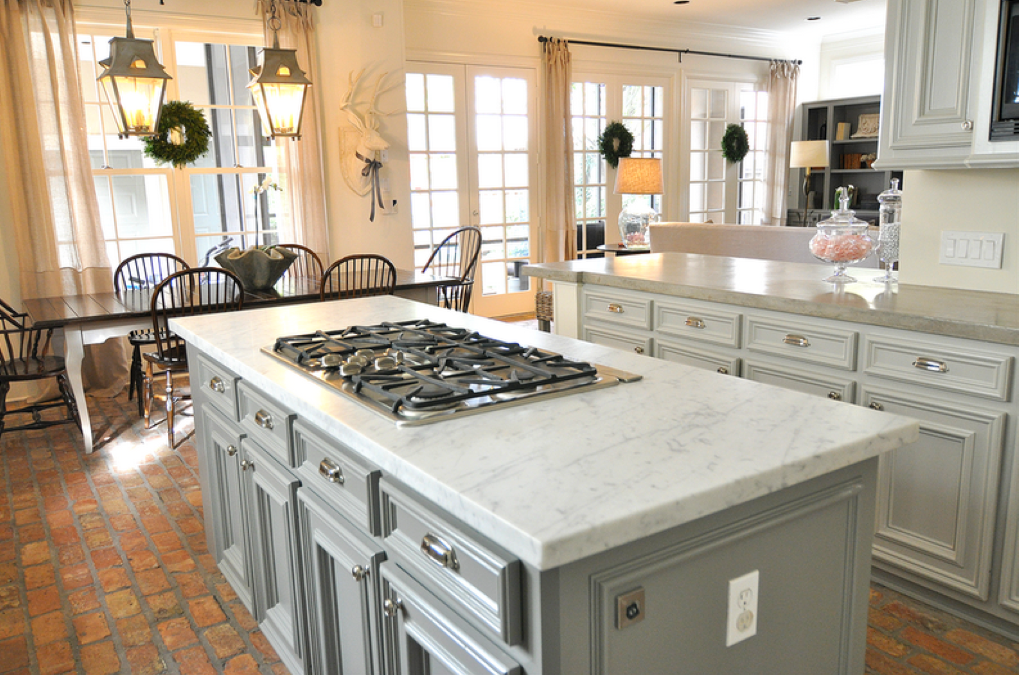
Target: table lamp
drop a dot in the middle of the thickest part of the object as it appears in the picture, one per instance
(638, 176)
(808, 155)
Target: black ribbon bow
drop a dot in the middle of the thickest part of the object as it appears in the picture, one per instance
(371, 172)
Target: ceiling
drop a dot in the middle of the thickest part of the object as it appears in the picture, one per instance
(781, 16)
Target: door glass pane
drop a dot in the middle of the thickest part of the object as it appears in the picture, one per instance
(440, 94)
(442, 133)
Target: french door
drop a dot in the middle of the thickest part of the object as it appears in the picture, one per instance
(473, 160)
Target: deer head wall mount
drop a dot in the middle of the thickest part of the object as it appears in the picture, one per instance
(361, 144)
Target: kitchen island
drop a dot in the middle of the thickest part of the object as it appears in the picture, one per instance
(948, 505)
(595, 532)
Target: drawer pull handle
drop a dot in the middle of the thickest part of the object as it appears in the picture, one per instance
(876, 406)
(615, 308)
(796, 340)
(834, 395)
(695, 322)
(217, 385)
(723, 370)
(439, 552)
(639, 350)
(231, 450)
(263, 419)
(359, 572)
(246, 464)
(391, 607)
(932, 365)
(331, 472)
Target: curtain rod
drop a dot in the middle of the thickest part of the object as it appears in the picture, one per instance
(678, 52)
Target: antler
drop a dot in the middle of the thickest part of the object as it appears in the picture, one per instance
(373, 113)
(348, 106)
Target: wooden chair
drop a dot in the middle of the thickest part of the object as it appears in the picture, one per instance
(143, 272)
(457, 256)
(199, 290)
(358, 276)
(24, 356)
(307, 265)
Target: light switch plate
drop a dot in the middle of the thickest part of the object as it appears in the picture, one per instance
(971, 249)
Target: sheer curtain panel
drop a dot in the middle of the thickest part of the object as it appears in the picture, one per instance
(781, 108)
(300, 161)
(557, 233)
(56, 226)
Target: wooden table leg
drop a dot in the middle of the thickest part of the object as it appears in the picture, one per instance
(74, 354)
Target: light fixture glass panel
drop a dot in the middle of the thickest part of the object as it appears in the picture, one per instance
(489, 132)
(442, 133)
(445, 209)
(517, 206)
(417, 138)
(418, 171)
(514, 96)
(487, 94)
(414, 84)
(442, 171)
(284, 103)
(515, 132)
(440, 93)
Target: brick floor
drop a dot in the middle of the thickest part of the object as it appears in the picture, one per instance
(104, 569)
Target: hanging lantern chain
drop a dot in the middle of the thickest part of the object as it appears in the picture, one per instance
(274, 24)
(130, 28)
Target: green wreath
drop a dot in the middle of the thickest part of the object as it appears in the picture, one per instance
(615, 142)
(735, 143)
(182, 116)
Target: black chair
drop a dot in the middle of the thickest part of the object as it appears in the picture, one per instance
(199, 290)
(142, 272)
(24, 357)
(457, 256)
(307, 265)
(358, 276)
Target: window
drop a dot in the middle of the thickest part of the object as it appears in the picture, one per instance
(595, 100)
(719, 192)
(147, 207)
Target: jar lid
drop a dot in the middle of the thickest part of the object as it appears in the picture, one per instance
(892, 195)
(843, 217)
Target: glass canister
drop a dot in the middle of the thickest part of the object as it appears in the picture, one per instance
(841, 240)
(888, 239)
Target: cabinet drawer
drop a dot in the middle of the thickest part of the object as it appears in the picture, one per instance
(965, 371)
(619, 339)
(337, 475)
(618, 308)
(266, 421)
(689, 320)
(478, 577)
(218, 384)
(835, 388)
(697, 358)
(804, 342)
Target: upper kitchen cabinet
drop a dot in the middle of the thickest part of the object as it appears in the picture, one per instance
(939, 86)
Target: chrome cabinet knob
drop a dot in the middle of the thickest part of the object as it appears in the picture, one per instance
(876, 406)
(639, 350)
(439, 552)
(263, 419)
(217, 385)
(723, 370)
(391, 607)
(331, 472)
(246, 464)
(834, 395)
(359, 572)
(967, 125)
(231, 450)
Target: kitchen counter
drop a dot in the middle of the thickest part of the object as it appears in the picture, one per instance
(562, 479)
(800, 288)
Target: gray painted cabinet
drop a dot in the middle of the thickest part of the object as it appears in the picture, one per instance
(942, 522)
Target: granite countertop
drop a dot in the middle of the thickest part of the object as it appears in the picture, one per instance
(558, 480)
(800, 288)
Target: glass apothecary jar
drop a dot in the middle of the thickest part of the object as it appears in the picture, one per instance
(842, 240)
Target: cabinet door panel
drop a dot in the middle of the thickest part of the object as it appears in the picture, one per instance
(275, 553)
(227, 501)
(620, 339)
(423, 638)
(835, 388)
(937, 497)
(343, 608)
(678, 352)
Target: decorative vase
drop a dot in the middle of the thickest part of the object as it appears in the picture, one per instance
(258, 269)
(841, 240)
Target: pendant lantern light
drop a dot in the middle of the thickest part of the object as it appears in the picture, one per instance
(279, 87)
(134, 82)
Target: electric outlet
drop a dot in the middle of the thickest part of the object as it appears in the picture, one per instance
(741, 610)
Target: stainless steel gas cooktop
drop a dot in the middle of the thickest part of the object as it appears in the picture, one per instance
(418, 372)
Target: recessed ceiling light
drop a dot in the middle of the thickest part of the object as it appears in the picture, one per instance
(813, 18)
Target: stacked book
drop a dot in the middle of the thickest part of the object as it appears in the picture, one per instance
(843, 130)
(852, 160)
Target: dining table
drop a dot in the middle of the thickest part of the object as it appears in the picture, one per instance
(94, 318)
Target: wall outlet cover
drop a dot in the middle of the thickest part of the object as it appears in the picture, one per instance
(741, 609)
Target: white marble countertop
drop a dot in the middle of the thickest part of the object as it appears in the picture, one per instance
(558, 480)
(800, 288)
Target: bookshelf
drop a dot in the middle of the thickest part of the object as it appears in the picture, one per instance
(819, 120)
